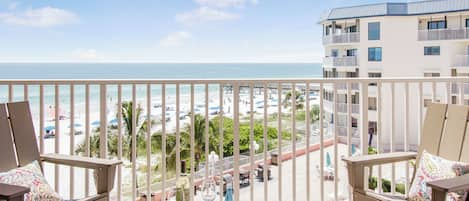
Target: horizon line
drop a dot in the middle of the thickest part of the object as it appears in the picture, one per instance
(161, 62)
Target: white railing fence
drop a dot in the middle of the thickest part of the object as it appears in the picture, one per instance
(443, 34)
(460, 61)
(96, 118)
(345, 61)
(351, 37)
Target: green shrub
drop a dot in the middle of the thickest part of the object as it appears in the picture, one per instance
(386, 185)
(372, 151)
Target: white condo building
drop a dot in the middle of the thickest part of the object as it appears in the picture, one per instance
(415, 39)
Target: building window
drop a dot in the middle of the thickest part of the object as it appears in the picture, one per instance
(352, 74)
(467, 23)
(374, 54)
(433, 50)
(373, 75)
(351, 52)
(372, 103)
(355, 99)
(431, 74)
(374, 31)
(441, 24)
(328, 29)
(334, 52)
(352, 29)
(454, 72)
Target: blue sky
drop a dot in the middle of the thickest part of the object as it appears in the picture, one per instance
(163, 30)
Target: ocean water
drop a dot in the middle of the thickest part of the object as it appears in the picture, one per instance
(137, 71)
(158, 70)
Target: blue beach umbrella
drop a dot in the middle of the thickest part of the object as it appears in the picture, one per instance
(95, 123)
(76, 125)
(48, 128)
(328, 160)
(113, 121)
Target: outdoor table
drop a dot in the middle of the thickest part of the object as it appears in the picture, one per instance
(12, 193)
(244, 176)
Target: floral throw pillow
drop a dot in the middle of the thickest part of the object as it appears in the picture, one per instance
(432, 168)
(30, 176)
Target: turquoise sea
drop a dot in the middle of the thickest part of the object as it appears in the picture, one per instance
(138, 71)
(158, 70)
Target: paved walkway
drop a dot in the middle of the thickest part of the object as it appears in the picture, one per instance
(300, 175)
(301, 189)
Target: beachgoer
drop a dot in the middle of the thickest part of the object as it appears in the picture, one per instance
(229, 187)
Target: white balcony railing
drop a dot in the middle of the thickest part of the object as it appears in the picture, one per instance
(460, 61)
(443, 34)
(346, 61)
(342, 107)
(352, 37)
(457, 89)
(176, 112)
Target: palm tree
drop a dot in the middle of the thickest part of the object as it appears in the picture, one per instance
(171, 151)
(314, 113)
(141, 126)
(199, 135)
(298, 100)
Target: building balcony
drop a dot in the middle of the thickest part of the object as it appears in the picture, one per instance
(76, 117)
(443, 34)
(461, 88)
(460, 61)
(346, 61)
(353, 37)
(342, 107)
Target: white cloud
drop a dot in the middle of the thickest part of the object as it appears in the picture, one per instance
(85, 54)
(12, 5)
(205, 14)
(40, 17)
(175, 39)
(225, 3)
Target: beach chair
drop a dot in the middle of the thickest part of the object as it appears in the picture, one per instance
(445, 133)
(18, 147)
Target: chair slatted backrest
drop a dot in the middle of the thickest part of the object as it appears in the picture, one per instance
(23, 132)
(465, 149)
(7, 148)
(445, 132)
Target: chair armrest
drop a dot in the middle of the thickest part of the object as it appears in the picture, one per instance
(78, 161)
(378, 159)
(8, 191)
(451, 185)
(104, 173)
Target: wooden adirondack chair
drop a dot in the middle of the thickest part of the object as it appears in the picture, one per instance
(18, 141)
(445, 133)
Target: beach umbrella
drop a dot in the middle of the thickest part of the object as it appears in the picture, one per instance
(95, 123)
(113, 121)
(328, 160)
(76, 126)
(49, 128)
